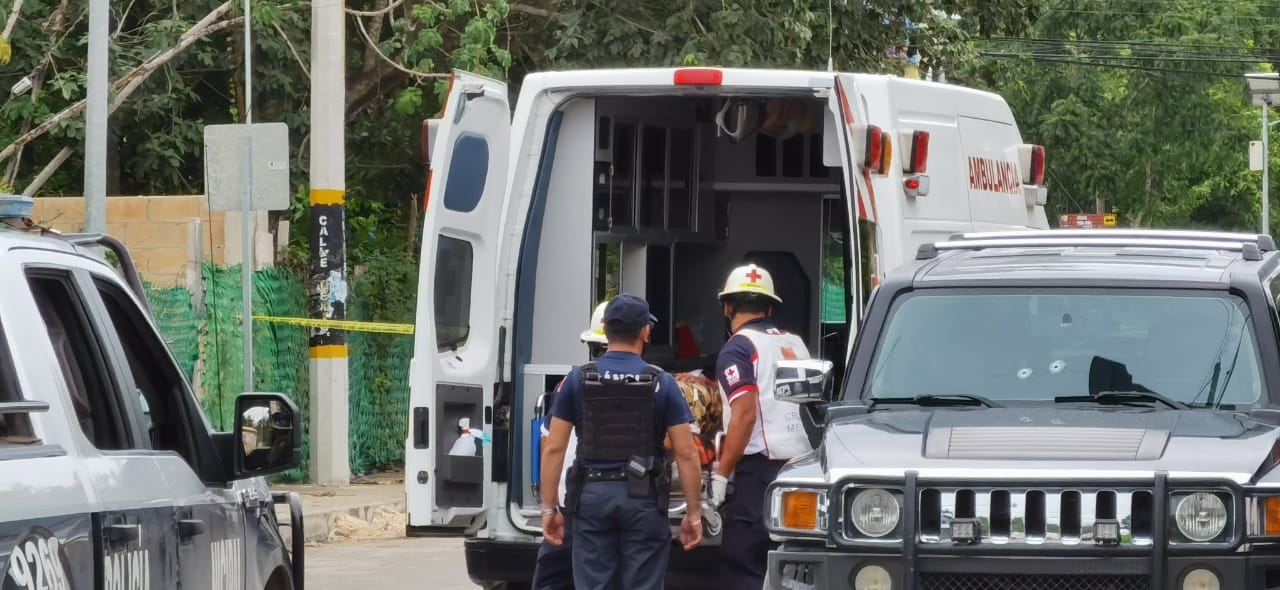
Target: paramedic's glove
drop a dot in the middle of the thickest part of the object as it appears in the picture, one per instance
(718, 485)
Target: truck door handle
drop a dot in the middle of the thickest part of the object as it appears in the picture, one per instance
(421, 428)
(190, 527)
(120, 534)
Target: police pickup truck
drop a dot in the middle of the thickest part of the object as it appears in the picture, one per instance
(1060, 409)
(110, 475)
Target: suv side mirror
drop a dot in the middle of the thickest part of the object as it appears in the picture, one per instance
(802, 381)
(268, 433)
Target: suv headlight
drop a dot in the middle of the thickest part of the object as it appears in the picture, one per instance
(874, 512)
(1201, 516)
(798, 510)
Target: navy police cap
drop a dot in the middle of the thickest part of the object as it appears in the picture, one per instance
(628, 310)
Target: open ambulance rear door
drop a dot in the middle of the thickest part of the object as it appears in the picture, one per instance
(456, 339)
(863, 150)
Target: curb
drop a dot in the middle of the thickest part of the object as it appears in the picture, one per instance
(317, 527)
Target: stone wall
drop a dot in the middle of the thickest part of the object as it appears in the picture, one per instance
(167, 236)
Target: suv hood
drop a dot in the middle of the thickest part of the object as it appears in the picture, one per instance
(1125, 441)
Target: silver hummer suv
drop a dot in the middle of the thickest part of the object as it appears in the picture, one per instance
(111, 477)
(1061, 409)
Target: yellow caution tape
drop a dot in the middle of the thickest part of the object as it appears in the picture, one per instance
(344, 325)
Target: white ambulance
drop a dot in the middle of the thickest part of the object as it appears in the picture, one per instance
(657, 182)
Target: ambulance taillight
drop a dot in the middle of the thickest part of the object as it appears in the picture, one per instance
(1033, 167)
(698, 77)
(916, 160)
(873, 150)
(886, 154)
(429, 127)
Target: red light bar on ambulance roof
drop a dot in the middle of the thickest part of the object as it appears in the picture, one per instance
(699, 77)
(1033, 167)
(916, 160)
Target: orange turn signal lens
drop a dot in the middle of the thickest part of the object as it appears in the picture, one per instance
(800, 510)
(1271, 516)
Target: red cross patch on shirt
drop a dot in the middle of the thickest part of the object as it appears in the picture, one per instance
(731, 375)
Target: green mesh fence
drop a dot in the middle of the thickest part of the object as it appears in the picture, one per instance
(379, 383)
(178, 323)
(378, 364)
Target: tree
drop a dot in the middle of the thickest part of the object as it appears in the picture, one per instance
(1140, 105)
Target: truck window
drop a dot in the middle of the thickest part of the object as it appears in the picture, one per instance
(468, 170)
(160, 386)
(81, 358)
(453, 292)
(14, 428)
(1035, 346)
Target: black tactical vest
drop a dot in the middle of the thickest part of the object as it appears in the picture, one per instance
(618, 416)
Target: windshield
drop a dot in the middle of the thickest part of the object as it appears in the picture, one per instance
(1195, 349)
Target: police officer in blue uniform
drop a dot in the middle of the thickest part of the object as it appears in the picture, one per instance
(621, 409)
(554, 567)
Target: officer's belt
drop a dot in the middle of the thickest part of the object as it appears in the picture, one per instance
(590, 475)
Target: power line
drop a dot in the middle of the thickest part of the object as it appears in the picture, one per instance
(1147, 69)
(1130, 57)
(1128, 44)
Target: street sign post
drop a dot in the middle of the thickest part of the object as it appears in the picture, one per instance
(246, 169)
(224, 163)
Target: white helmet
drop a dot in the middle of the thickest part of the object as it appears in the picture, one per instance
(595, 333)
(750, 279)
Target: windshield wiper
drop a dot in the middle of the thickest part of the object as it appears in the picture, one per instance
(931, 399)
(1122, 397)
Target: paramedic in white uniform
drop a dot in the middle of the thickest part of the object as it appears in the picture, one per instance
(761, 433)
(554, 569)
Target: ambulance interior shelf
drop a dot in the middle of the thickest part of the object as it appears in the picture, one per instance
(657, 158)
(682, 195)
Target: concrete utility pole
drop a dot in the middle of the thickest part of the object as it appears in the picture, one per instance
(246, 199)
(1264, 88)
(95, 119)
(330, 461)
(1266, 180)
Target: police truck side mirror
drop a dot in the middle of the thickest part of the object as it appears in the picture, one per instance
(802, 381)
(268, 433)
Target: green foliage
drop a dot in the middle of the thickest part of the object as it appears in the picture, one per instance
(1156, 128)
(772, 33)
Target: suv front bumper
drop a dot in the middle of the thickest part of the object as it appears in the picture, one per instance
(802, 568)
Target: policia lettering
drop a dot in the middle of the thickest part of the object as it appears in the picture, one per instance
(228, 570)
(127, 570)
(328, 271)
(37, 563)
(619, 426)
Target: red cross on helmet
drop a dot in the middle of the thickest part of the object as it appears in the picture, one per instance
(750, 279)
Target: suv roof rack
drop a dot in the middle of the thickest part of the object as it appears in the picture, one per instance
(1250, 246)
(1264, 241)
(126, 262)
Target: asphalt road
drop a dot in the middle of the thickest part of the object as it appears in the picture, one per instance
(388, 564)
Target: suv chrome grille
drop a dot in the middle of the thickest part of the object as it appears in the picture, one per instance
(1033, 516)
(1031, 582)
